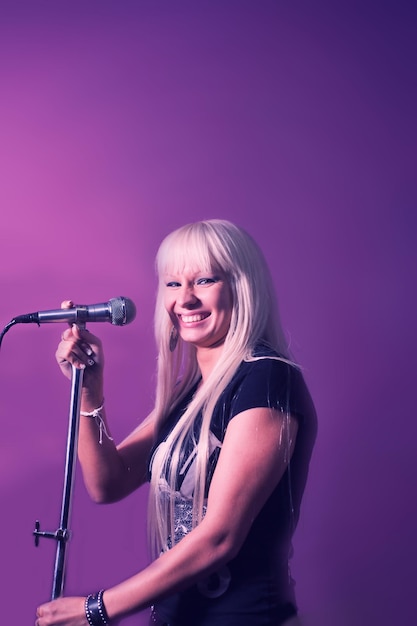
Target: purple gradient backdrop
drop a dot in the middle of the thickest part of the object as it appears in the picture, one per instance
(120, 121)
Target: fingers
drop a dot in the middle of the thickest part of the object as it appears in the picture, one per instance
(38, 615)
(68, 611)
(78, 347)
(74, 329)
(75, 332)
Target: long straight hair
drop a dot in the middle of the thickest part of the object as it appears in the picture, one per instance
(206, 246)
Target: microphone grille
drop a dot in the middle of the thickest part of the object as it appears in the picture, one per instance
(123, 311)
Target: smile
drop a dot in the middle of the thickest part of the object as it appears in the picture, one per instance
(189, 319)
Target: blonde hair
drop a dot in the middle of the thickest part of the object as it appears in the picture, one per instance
(210, 245)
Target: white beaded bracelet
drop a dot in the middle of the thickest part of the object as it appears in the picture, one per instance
(96, 415)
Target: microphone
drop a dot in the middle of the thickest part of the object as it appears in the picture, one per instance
(119, 311)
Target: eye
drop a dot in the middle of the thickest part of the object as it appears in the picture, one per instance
(173, 283)
(206, 281)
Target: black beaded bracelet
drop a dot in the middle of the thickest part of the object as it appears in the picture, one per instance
(95, 611)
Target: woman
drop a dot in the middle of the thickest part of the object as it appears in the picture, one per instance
(226, 448)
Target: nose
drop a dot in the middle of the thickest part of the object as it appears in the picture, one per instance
(186, 296)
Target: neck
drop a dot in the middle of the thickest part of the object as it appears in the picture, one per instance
(207, 359)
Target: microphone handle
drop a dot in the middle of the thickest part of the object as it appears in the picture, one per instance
(79, 314)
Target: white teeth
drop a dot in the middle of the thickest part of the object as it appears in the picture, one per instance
(187, 319)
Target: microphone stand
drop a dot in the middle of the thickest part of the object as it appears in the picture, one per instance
(62, 534)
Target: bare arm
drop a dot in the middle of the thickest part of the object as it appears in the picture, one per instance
(110, 472)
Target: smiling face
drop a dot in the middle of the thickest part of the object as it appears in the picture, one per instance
(200, 306)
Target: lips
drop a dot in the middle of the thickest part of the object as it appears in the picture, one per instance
(197, 317)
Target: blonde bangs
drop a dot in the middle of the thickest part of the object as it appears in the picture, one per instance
(192, 248)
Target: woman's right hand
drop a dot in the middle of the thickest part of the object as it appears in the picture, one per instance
(80, 348)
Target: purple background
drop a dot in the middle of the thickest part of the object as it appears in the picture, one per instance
(123, 120)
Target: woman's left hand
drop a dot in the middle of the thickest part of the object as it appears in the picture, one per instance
(62, 612)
